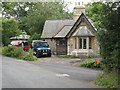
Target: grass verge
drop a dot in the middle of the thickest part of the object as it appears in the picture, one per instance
(108, 80)
(0, 50)
(64, 56)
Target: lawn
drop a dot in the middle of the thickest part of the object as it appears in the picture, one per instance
(0, 50)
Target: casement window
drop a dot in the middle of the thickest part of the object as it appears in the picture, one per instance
(80, 43)
(90, 43)
(75, 42)
(84, 43)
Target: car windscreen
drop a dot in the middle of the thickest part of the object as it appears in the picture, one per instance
(41, 44)
(25, 43)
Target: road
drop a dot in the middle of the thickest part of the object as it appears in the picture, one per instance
(30, 74)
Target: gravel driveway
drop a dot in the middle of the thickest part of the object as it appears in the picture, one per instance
(65, 61)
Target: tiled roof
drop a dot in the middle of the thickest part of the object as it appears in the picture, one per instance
(51, 27)
(63, 31)
(83, 31)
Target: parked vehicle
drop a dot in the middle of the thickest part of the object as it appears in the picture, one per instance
(21, 43)
(41, 48)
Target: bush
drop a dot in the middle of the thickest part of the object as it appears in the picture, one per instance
(17, 52)
(92, 64)
(29, 56)
(12, 51)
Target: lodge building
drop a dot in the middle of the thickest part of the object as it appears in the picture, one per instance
(76, 37)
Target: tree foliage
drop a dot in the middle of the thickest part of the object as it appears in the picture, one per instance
(35, 36)
(106, 19)
(39, 12)
(16, 10)
(96, 11)
(9, 29)
(32, 20)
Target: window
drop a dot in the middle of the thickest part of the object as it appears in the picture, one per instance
(90, 43)
(62, 42)
(84, 43)
(80, 43)
(75, 42)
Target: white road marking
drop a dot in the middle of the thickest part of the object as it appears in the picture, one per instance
(62, 75)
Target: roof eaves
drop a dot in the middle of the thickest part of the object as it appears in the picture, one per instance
(59, 19)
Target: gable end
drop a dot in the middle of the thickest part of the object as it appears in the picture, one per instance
(77, 23)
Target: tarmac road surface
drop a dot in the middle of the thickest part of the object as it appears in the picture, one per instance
(29, 74)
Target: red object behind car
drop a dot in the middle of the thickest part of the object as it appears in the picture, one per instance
(18, 43)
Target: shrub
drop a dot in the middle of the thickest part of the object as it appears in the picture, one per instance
(92, 64)
(12, 51)
(29, 56)
(17, 52)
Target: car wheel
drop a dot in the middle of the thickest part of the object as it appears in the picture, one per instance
(37, 55)
(49, 55)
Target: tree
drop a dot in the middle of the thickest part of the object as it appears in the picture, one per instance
(109, 38)
(39, 12)
(9, 29)
(96, 11)
(35, 36)
(106, 19)
(32, 20)
(16, 10)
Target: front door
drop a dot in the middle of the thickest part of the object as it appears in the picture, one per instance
(61, 46)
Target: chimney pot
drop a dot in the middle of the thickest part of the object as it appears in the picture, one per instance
(75, 3)
(79, 3)
(82, 3)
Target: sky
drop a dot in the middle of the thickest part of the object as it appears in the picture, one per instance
(71, 6)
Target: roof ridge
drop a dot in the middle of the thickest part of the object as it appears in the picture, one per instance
(59, 19)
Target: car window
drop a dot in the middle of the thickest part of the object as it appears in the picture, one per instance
(25, 43)
(40, 44)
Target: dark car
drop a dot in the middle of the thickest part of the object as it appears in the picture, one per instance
(41, 48)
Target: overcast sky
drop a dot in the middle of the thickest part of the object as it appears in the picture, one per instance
(71, 6)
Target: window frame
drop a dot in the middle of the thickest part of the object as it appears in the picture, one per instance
(83, 43)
